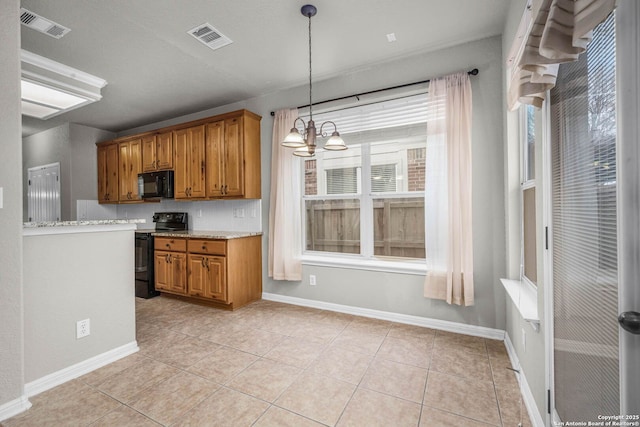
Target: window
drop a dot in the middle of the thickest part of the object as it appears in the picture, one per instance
(528, 188)
(369, 200)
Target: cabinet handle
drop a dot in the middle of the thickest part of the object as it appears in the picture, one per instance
(168, 245)
(166, 258)
(226, 189)
(204, 248)
(202, 262)
(202, 166)
(153, 164)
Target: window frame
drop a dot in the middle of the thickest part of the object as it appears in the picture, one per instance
(365, 260)
(528, 182)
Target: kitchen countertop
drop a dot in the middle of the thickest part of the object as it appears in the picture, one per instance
(82, 226)
(207, 234)
(83, 222)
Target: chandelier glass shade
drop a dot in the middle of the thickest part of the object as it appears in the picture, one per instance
(304, 141)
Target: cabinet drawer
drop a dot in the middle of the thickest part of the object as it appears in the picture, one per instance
(170, 244)
(213, 247)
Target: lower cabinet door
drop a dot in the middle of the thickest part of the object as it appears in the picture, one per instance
(178, 268)
(171, 272)
(207, 277)
(162, 273)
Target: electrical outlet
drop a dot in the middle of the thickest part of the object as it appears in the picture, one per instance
(83, 328)
(312, 279)
(199, 213)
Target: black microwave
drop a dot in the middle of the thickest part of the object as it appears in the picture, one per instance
(154, 185)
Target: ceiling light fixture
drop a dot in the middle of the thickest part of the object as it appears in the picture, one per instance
(305, 142)
(50, 88)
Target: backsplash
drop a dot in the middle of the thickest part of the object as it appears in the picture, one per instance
(215, 215)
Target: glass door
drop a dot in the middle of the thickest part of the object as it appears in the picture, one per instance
(595, 221)
(628, 71)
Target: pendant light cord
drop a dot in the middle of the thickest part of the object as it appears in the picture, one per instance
(310, 83)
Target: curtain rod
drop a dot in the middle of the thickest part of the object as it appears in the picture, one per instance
(473, 72)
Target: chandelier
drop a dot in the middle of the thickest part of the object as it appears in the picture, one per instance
(305, 142)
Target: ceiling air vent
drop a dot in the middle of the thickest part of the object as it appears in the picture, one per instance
(44, 25)
(209, 36)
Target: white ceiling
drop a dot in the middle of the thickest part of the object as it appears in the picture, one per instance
(156, 71)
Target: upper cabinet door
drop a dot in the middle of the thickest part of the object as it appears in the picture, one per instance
(108, 186)
(164, 151)
(233, 157)
(130, 160)
(197, 162)
(181, 157)
(149, 153)
(135, 167)
(214, 152)
(189, 165)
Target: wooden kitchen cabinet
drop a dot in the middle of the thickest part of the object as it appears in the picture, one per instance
(207, 277)
(108, 173)
(130, 161)
(233, 156)
(207, 268)
(170, 261)
(212, 158)
(224, 273)
(189, 156)
(157, 152)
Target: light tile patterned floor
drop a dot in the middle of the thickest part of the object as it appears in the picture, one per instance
(272, 364)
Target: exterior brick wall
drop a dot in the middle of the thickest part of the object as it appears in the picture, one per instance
(310, 178)
(415, 168)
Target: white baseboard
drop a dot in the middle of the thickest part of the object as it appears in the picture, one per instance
(527, 396)
(74, 371)
(444, 325)
(14, 407)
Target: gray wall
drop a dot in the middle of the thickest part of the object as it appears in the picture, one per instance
(65, 283)
(43, 148)
(74, 147)
(84, 162)
(402, 293)
(11, 301)
(533, 356)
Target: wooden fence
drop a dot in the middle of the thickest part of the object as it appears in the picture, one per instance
(334, 226)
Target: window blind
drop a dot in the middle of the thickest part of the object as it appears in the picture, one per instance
(585, 232)
(405, 111)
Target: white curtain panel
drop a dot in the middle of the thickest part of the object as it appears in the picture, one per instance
(285, 234)
(561, 31)
(448, 231)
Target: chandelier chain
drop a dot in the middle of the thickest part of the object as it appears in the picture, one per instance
(310, 82)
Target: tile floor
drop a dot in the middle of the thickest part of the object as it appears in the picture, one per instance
(272, 364)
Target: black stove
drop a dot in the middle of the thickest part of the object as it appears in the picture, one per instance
(171, 221)
(144, 263)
